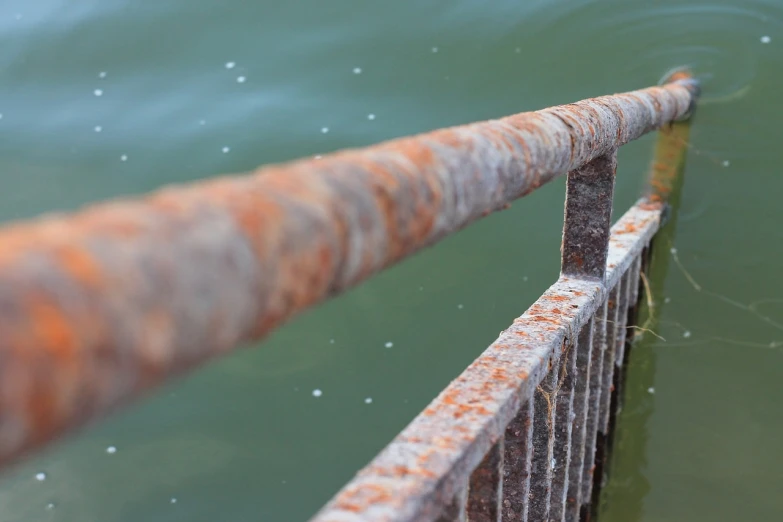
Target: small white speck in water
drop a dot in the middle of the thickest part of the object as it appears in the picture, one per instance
(102, 74)
(111, 450)
(524, 278)
(667, 300)
(389, 344)
(1, 116)
(98, 128)
(434, 49)
(318, 156)
(650, 390)
(765, 39)
(368, 400)
(202, 122)
(518, 50)
(331, 341)
(241, 79)
(686, 334)
(98, 92)
(459, 306)
(673, 250)
(357, 70)
(226, 150)
(50, 506)
(421, 289)
(324, 130)
(230, 65)
(726, 163)
(124, 157)
(317, 393)
(173, 500)
(371, 117)
(40, 476)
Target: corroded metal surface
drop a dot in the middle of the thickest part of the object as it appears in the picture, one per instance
(99, 306)
(518, 465)
(486, 486)
(594, 406)
(581, 406)
(429, 462)
(588, 215)
(561, 452)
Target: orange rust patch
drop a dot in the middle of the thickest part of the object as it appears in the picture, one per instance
(53, 330)
(80, 265)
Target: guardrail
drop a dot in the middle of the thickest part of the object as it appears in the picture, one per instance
(100, 306)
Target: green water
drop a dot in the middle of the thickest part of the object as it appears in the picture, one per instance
(112, 97)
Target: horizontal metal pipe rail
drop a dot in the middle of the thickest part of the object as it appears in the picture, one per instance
(98, 306)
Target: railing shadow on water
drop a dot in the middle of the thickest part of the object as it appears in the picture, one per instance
(101, 306)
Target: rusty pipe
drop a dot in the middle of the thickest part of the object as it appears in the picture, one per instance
(102, 304)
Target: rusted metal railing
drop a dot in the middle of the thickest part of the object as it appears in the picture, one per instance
(99, 306)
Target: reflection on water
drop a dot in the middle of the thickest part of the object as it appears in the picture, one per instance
(106, 98)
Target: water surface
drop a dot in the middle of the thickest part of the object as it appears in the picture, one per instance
(111, 98)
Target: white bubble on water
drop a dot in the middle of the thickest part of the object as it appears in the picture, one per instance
(765, 39)
(331, 341)
(686, 334)
(230, 65)
(524, 278)
(317, 392)
(726, 163)
(202, 122)
(434, 49)
(357, 70)
(651, 390)
(324, 130)
(673, 250)
(226, 150)
(111, 450)
(124, 157)
(173, 500)
(50, 506)
(459, 306)
(371, 117)
(241, 79)
(98, 128)
(40, 476)
(98, 92)
(102, 74)
(389, 344)
(518, 50)
(368, 400)
(667, 300)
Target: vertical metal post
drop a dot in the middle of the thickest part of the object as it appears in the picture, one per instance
(518, 461)
(581, 407)
(588, 216)
(457, 510)
(561, 454)
(543, 445)
(486, 487)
